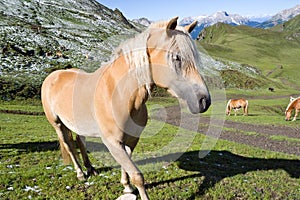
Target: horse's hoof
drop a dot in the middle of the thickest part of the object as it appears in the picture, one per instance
(82, 177)
(127, 197)
(92, 171)
(128, 190)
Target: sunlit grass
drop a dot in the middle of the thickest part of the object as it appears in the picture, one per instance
(31, 167)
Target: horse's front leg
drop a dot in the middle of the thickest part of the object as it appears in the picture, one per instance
(296, 114)
(124, 176)
(118, 151)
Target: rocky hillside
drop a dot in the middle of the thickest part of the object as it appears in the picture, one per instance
(39, 36)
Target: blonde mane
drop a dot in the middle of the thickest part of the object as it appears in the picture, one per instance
(134, 51)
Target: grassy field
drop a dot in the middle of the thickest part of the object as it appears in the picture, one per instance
(31, 167)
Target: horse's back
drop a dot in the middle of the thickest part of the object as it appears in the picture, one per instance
(297, 103)
(237, 103)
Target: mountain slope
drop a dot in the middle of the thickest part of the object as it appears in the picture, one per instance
(270, 51)
(291, 28)
(37, 37)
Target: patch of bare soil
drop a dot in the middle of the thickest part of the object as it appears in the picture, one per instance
(250, 134)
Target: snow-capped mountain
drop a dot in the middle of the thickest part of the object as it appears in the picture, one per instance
(143, 21)
(221, 16)
(208, 20)
(281, 17)
(236, 19)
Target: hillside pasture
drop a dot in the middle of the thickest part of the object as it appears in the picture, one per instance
(31, 166)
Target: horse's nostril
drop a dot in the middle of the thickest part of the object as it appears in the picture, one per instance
(203, 102)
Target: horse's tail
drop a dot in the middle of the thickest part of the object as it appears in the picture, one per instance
(246, 108)
(228, 107)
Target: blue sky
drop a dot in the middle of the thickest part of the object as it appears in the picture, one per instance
(166, 9)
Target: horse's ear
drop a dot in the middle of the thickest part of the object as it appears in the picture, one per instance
(190, 28)
(172, 24)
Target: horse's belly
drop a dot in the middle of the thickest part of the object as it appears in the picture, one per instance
(88, 128)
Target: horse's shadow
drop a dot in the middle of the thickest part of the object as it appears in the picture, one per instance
(48, 146)
(218, 165)
(32, 146)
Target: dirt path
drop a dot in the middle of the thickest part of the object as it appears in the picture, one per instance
(261, 136)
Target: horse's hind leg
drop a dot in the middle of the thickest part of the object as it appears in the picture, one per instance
(246, 111)
(67, 146)
(86, 160)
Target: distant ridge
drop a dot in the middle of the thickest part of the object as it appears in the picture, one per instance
(236, 19)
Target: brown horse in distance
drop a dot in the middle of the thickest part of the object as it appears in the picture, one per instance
(236, 104)
(293, 105)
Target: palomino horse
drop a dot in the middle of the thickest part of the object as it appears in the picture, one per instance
(236, 104)
(294, 104)
(110, 103)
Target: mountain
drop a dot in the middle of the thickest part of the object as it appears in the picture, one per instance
(221, 16)
(281, 17)
(39, 36)
(143, 21)
(291, 28)
(274, 52)
(236, 19)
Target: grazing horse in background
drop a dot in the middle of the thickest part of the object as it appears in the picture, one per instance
(110, 102)
(294, 104)
(236, 104)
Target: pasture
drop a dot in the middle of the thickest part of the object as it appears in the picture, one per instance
(254, 158)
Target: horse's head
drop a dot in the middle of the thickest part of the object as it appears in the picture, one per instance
(174, 61)
(288, 114)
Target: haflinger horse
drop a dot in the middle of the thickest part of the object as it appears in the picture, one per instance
(110, 102)
(236, 104)
(293, 105)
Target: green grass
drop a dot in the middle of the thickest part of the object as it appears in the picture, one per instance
(31, 167)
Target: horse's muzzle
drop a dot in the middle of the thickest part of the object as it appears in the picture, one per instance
(201, 106)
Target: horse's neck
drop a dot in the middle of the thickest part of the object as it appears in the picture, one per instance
(293, 104)
(228, 104)
(124, 83)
